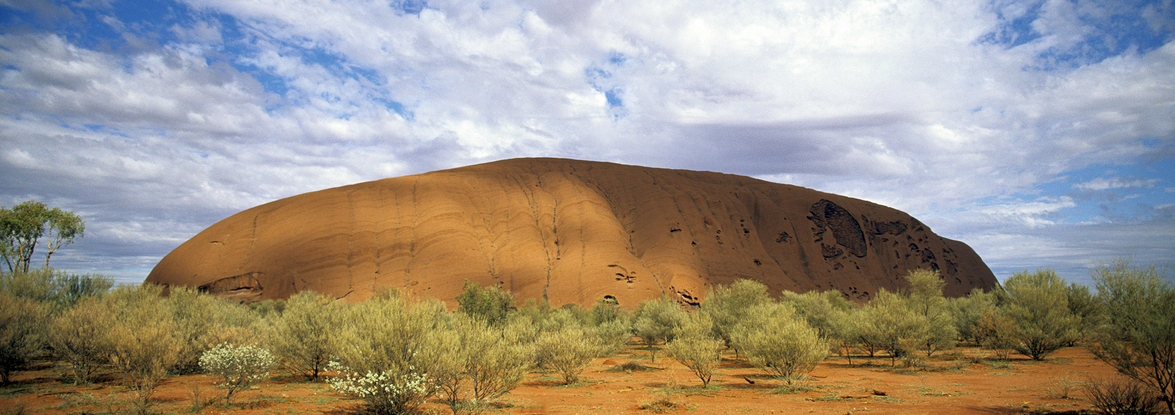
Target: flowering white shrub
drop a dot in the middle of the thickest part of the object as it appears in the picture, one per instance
(238, 367)
(386, 392)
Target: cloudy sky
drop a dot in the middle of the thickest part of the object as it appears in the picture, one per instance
(1042, 133)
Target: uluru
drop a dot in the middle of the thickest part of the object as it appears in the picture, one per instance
(567, 231)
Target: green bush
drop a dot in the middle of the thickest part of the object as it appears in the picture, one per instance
(728, 305)
(80, 337)
(21, 333)
(819, 309)
(58, 290)
(967, 311)
(567, 351)
(482, 362)
(301, 336)
(490, 304)
(1139, 335)
(202, 322)
(889, 323)
(144, 343)
(1038, 303)
(997, 332)
(774, 339)
(655, 320)
(238, 367)
(925, 298)
(386, 392)
(385, 350)
(695, 347)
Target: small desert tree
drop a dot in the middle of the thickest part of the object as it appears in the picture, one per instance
(889, 323)
(655, 320)
(1086, 307)
(80, 337)
(997, 332)
(238, 367)
(1139, 339)
(728, 305)
(21, 333)
(695, 347)
(144, 341)
(967, 311)
(301, 336)
(819, 309)
(482, 362)
(386, 348)
(846, 332)
(568, 351)
(203, 322)
(24, 224)
(925, 298)
(778, 341)
(1038, 303)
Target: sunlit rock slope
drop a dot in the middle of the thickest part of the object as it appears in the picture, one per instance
(568, 231)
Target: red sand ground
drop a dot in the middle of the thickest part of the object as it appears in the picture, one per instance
(952, 383)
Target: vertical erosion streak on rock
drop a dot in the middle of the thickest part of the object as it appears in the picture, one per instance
(252, 244)
(412, 243)
(351, 241)
(640, 258)
(377, 231)
(486, 241)
(536, 213)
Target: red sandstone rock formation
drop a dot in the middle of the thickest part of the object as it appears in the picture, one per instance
(568, 231)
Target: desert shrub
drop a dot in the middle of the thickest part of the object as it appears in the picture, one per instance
(386, 392)
(567, 351)
(268, 308)
(489, 304)
(1038, 304)
(777, 341)
(967, 311)
(846, 332)
(56, 289)
(559, 319)
(606, 310)
(301, 336)
(996, 332)
(1139, 335)
(237, 367)
(654, 322)
(1118, 397)
(889, 323)
(80, 337)
(728, 305)
(819, 309)
(532, 309)
(201, 322)
(1088, 310)
(695, 347)
(482, 363)
(21, 333)
(925, 298)
(143, 337)
(612, 335)
(385, 350)
(72, 288)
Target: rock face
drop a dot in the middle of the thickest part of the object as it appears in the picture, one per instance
(568, 231)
